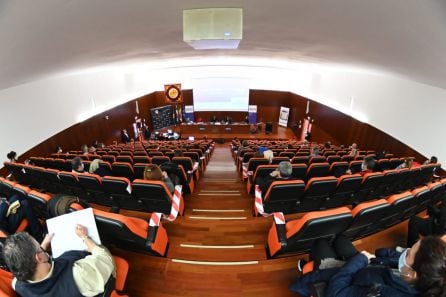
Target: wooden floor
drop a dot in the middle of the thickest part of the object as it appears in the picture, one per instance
(218, 228)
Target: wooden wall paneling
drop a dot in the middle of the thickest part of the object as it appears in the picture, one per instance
(329, 124)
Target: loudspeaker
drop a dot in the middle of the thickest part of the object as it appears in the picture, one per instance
(269, 127)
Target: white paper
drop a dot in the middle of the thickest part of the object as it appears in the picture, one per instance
(63, 227)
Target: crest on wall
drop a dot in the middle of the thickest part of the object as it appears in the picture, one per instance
(173, 93)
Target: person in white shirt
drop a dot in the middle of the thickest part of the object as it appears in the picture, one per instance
(74, 273)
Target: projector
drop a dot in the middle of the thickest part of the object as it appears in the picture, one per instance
(213, 28)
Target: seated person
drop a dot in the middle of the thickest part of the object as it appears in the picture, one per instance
(432, 160)
(153, 172)
(74, 273)
(14, 211)
(84, 149)
(315, 151)
(269, 155)
(433, 224)
(77, 166)
(96, 169)
(367, 166)
(408, 163)
(283, 172)
(421, 269)
(353, 150)
(12, 156)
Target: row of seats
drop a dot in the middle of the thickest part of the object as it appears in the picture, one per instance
(115, 229)
(122, 169)
(297, 236)
(38, 176)
(119, 192)
(382, 164)
(306, 172)
(295, 196)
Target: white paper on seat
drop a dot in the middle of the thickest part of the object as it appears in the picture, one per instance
(63, 227)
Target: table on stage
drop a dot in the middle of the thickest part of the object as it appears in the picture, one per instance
(212, 128)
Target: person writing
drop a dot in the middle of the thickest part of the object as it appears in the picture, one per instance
(74, 273)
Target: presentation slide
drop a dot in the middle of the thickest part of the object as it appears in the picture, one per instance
(221, 94)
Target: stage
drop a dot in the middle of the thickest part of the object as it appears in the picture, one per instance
(229, 131)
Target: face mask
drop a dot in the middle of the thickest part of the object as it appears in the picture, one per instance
(402, 260)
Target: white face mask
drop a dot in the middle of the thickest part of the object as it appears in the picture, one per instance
(402, 260)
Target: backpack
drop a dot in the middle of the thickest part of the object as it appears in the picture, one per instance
(60, 204)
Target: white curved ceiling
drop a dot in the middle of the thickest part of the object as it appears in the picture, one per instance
(44, 38)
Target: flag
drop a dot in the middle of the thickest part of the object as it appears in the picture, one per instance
(308, 107)
(137, 107)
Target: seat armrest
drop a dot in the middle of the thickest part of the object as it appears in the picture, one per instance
(281, 234)
(318, 289)
(151, 236)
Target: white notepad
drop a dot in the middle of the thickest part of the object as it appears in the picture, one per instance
(63, 227)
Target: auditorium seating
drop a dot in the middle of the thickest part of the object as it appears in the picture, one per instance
(366, 190)
(345, 189)
(403, 206)
(131, 233)
(318, 170)
(317, 192)
(282, 196)
(368, 218)
(297, 236)
(152, 196)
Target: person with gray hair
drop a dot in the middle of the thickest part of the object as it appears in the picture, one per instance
(74, 273)
(283, 172)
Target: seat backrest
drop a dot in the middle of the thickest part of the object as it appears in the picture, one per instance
(125, 232)
(6, 289)
(108, 158)
(317, 192)
(186, 162)
(317, 170)
(355, 166)
(347, 185)
(370, 182)
(347, 158)
(263, 170)
(277, 160)
(153, 153)
(299, 171)
(154, 195)
(423, 197)
(332, 159)
(437, 191)
(338, 168)
(403, 206)
(317, 159)
(255, 162)
(300, 159)
(142, 159)
(368, 217)
(282, 196)
(123, 169)
(39, 203)
(287, 154)
(383, 164)
(106, 166)
(158, 160)
(302, 232)
(124, 158)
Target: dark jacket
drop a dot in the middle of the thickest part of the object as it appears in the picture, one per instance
(357, 279)
(61, 282)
